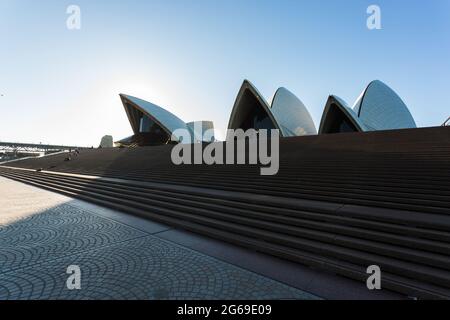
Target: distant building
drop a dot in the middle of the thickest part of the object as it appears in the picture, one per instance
(107, 142)
(203, 130)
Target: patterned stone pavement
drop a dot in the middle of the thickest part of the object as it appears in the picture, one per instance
(42, 233)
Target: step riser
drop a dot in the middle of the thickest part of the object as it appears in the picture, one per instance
(353, 273)
(194, 207)
(350, 258)
(269, 208)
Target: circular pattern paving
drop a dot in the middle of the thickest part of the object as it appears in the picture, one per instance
(117, 261)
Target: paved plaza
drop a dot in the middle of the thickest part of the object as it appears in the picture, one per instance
(120, 256)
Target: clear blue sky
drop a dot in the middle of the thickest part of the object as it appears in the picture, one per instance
(191, 56)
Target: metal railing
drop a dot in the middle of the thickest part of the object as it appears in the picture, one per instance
(30, 147)
(446, 123)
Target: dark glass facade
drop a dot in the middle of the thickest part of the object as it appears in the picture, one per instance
(337, 121)
(253, 115)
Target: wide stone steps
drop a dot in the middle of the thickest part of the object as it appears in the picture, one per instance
(412, 248)
(285, 210)
(430, 200)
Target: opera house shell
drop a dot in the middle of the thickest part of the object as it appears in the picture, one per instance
(286, 112)
(339, 117)
(153, 125)
(377, 108)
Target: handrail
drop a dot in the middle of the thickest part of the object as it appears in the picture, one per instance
(446, 122)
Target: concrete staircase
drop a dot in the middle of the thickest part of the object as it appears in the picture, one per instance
(340, 202)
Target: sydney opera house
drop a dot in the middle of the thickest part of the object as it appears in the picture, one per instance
(351, 192)
(377, 108)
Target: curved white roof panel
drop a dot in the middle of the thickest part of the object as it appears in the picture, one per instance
(167, 120)
(338, 114)
(291, 114)
(251, 104)
(345, 108)
(380, 108)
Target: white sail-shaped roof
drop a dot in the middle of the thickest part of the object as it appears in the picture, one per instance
(286, 112)
(291, 114)
(134, 107)
(250, 103)
(339, 117)
(380, 108)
